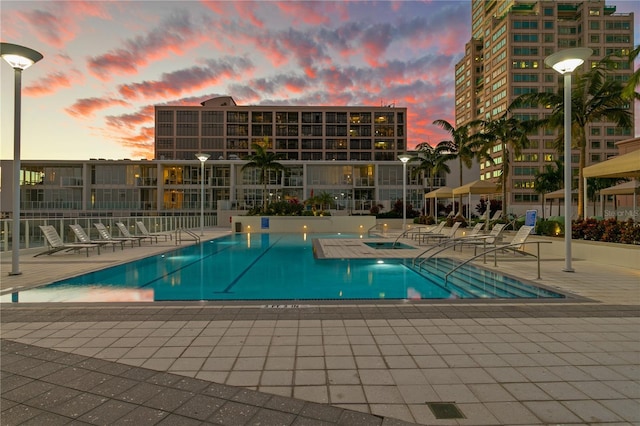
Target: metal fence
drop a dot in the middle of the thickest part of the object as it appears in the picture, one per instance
(31, 235)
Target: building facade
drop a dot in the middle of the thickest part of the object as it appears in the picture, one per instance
(97, 187)
(505, 59)
(225, 130)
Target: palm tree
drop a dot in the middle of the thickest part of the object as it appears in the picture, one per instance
(265, 161)
(324, 199)
(549, 180)
(512, 135)
(629, 91)
(462, 145)
(595, 98)
(433, 161)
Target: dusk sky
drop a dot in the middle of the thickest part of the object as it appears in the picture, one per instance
(107, 63)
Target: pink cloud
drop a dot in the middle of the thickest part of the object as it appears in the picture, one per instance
(88, 106)
(58, 22)
(176, 35)
(187, 80)
(53, 82)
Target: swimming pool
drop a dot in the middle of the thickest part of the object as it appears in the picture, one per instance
(265, 267)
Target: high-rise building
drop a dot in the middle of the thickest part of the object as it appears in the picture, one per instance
(505, 59)
(223, 129)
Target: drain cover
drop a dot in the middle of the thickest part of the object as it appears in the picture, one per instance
(445, 410)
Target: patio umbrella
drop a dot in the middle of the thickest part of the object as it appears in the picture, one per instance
(442, 192)
(476, 187)
(626, 188)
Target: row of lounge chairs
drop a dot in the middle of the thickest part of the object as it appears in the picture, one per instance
(56, 244)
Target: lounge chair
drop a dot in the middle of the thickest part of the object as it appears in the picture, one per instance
(447, 233)
(126, 234)
(482, 240)
(56, 244)
(105, 235)
(144, 231)
(437, 229)
(82, 236)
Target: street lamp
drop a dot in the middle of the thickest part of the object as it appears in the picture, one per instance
(404, 158)
(202, 157)
(565, 62)
(20, 58)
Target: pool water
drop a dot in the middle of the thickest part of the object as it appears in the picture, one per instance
(252, 267)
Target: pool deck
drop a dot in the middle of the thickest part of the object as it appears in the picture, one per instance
(570, 361)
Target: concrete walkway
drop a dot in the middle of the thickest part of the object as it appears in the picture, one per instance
(573, 361)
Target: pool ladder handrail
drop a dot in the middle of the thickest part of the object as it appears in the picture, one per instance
(513, 247)
(193, 235)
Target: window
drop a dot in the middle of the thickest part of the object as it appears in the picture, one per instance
(525, 64)
(595, 131)
(261, 117)
(548, 25)
(594, 25)
(165, 116)
(548, 38)
(617, 25)
(165, 129)
(525, 77)
(617, 38)
(594, 12)
(595, 38)
(595, 144)
(286, 117)
(525, 51)
(187, 116)
(548, 11)
(525, 24)
(566, 30)
(212, 117)
(312, 117)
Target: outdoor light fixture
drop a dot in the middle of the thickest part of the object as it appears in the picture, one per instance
(20, 58)
(202, 157)
(404, 158)
(565, 62)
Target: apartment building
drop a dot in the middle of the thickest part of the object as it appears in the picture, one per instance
(99, 187)
(505, 58)
(225, 130)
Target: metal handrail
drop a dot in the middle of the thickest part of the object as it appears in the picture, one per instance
(495, 255)
(193, 235)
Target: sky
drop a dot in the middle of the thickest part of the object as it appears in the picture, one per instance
(107, 63)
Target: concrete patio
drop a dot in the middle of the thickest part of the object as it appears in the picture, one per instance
(570, 361)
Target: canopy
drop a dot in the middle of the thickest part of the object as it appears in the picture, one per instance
(625, 165)
(442, 192)
(626, 188)
(477, 187)
(559, 194)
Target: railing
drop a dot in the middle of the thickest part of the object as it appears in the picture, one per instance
(180, 238)
(31, 236)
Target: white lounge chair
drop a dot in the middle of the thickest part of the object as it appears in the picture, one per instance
(105, 235)
(82, 236)
(447, 233)
(126, 234)
(144, 231)
(56, 244)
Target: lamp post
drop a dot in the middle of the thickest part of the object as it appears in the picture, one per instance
(20, 58)
(202, 157)
(404, 158)
(565, 62)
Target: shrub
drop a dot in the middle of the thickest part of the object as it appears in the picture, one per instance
(608, 230)
(550, 228)
(458, 218)
(425, 220)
